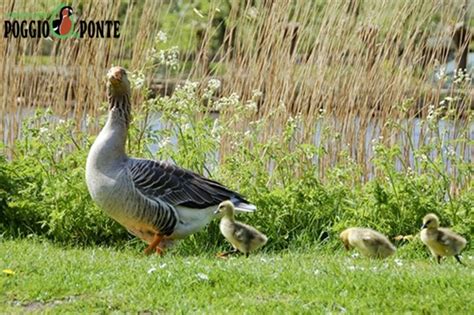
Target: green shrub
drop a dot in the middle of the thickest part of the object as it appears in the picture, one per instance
(43, 191)
(50, 196)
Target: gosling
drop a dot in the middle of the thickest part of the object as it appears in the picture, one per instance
(441, 241)
(243, 237)
(368, 242)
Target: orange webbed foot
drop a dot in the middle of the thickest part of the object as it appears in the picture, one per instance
(154, 246)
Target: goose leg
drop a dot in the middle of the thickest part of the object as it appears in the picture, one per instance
(154, 245)
(438, 258)
(458, 259)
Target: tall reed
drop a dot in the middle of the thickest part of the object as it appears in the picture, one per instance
(351, 69)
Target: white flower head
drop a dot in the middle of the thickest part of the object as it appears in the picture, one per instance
(137, 79)
(161, 37)
(214, 84)
(251, 106)
(256, 94)
(202, 276)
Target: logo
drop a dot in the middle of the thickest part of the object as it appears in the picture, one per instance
(63, 25)
(60, 23)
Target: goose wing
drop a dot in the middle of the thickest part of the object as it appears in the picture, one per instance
(371, 241)
(243, 233)
(177, 186)
(444, 238)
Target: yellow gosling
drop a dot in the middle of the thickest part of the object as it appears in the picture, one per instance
(441, 241)
(368, 242)
(243, 237)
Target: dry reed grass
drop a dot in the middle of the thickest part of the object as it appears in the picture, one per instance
(351, 62)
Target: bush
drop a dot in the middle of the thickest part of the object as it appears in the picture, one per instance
(43, 189)
(50, 196)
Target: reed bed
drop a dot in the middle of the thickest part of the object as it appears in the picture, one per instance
(354, 67)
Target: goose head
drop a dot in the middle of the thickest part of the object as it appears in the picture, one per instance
(117, 82)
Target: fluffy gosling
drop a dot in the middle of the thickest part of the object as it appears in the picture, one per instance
(368, 242)
(243, 237)
(441, 241)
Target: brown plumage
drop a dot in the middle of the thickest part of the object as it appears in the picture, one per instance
(368, 242)
(441, 241)
(243, 237)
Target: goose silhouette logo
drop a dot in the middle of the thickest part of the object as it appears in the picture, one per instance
(64, 24)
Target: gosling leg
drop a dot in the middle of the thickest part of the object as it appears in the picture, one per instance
(225, 254)
(459, 259)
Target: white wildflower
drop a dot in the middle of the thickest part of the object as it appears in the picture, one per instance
(227, 102)
(398, 262)
(168, 57)
(151, 53)
(214, 84)
(202, 276)
(189, 87)
(164, 142)
(252, 13)
(251, 106)
(355, 255)
(423, 158)
(441, 74)
(137, 80)
(151, 270)
(186, 126)
(431, 113)
(256, 94)
(161, 37)
(43, 130)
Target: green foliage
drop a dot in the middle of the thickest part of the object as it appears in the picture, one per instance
(50, 196)
(43, 189)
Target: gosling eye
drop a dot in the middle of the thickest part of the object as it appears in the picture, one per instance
(428, 222)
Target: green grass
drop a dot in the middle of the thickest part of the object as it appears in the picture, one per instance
(54, 279)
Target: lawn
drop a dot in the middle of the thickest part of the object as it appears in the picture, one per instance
(54, 279)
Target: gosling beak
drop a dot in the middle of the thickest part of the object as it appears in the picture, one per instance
(217, 211)
(423, 226)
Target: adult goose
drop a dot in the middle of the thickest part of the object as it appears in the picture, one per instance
(156, 201)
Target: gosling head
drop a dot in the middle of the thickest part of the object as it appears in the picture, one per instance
(430, 221)
(344, 236)
(226, 208)
(117, 82)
